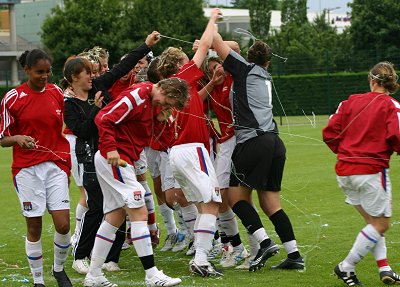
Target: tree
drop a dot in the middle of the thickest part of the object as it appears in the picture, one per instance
(294, 11)
(375, 24)
(84, 24)
(260, 16)
(183, 20)
(243, 4)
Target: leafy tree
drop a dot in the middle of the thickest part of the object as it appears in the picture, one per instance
(243, 4)
(375, 24)
(83, 24)
(294, 11)
(183, 20)
(260, 16)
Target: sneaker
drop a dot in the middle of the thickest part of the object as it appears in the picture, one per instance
(237, 256)
(155, 237)
(39, 285)
(207, 270)
(169, 242)
(192, 249)
(160, 279)
(291, 264)
(81, 266)
(262, 255)
(216, 250)
(182, 242)
(227, 251)
(389, 277)
(98, 281)
(349, 278)
(61, 278)
(125, 246)
(111, 266)
(246, 263)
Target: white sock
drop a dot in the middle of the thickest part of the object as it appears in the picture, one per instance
(149, 200)
(79, 211)
(183, 228)
(260, 235)
(228, 223)
(254, 245)
(34, 254)
(102, 244)
(168, 217)
(365, 242)
(61, 248)
(204, 234)
(189, 215)
(141, 238)
(380, 255)
(290, 246)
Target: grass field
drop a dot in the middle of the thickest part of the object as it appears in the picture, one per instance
(325, 226)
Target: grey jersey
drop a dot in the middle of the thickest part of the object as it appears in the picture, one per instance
(251, 98)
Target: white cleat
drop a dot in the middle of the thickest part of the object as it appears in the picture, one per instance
(160, 279)
(97, 281)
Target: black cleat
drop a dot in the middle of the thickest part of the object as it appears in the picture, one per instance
(291, 264)
(39, 285)
(389, 277)
(349, 278)
(62, 278)
(262, 255)
(208, 270)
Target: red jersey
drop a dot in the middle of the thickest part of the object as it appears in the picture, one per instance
(125, 124)
(117, 88)
(162, 133)
(222, 107)
(41, 116)
(189, 124)
(364, 132)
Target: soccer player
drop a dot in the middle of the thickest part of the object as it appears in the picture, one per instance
(364, 132)
(259, 156)
(128, 120)
(32, 122)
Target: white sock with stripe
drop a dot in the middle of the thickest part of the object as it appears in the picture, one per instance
(168, 218)
(204, 234)
(102, 244)
(149, 200)
(61, 249)
(380, 255)
(34, 254)
(189, 214)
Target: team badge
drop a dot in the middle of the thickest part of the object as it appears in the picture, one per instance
(217, 191)
(137, 195)
(27, 205)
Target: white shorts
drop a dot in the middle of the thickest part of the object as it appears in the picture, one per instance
(158, 162)
(223, 162)
(76, 168)
(141, 164)
(372, 191)
(119, 185)
(192, 168)
(42, 186)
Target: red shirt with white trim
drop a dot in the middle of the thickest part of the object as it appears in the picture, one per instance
(364, 132)
(222, 107)
(125, 124)
(189, 124)
(41, 116)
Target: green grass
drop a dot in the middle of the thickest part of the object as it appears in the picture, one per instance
(325, 227)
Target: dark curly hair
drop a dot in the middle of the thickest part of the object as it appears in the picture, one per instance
(259, 53)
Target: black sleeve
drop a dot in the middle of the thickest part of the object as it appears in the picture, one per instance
(236, 65)
(81, 126)
(105, 81)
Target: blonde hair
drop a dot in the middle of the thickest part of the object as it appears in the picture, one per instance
(385, 76)
(176, 89)
(169, 60)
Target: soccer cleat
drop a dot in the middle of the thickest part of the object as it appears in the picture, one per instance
(111, 267)
(125, 246)
(349, 278)
(389, 277)
(246, 263)
(155, 237)
(97, 281)
(237, 256)
(39, 285)
(81, 266)
(61, 278)
(262, 255)
(215, 250)
(291, 264)
(227, 251)
(192, 249)
(182, 242)
(207, 270)
(160, 279)
(169, 242)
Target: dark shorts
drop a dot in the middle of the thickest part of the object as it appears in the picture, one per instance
(258, 163)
